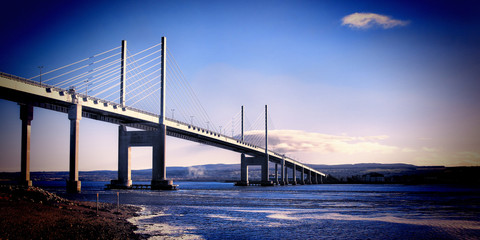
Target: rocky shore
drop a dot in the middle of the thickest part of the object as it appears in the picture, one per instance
(33, 213)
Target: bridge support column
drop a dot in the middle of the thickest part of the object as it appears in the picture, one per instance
(159, 168)
(294, 175)
(124, 159)
(265, 176)
(245, 162)
(314, 178)
(282, 171)
(243, 172)
(309, 177)
(287, 181)
(276, 174)
(74, 114)
(302, 176)
(129, 139)
(26, 115)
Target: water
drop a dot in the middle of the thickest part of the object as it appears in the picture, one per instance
(210, 210)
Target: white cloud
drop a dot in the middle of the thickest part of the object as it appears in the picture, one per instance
(368, 20)
(290, 141)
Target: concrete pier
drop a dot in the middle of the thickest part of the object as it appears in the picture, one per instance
(129, 139)
(258, 161)
(159, 168)
(294, 175)
(243, 171)
(26, 115)
(309, 177)
(282, 172)
(302, 176)
(276, 174)
(124, 159)
(74, 114)
(287, 181)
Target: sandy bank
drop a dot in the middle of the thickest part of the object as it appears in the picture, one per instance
(33, 213)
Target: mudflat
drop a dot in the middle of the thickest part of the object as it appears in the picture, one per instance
(33, 213)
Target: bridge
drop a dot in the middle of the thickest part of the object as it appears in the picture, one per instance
(63, 92)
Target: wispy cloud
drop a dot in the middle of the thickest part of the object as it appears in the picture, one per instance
(289, 141)
(368, 20)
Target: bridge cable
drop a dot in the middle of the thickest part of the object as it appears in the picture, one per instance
(68, 65)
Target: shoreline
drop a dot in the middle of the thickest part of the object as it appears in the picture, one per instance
(33, 213)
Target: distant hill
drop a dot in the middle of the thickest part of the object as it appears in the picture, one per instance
(344, 173)
(348, 170)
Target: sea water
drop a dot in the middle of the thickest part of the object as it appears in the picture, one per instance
(212, 210)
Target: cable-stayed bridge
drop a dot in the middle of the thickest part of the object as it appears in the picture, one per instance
(131, 90)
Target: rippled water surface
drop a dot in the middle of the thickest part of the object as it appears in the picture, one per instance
(210, 210)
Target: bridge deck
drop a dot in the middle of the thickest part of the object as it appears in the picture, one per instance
(25, 91)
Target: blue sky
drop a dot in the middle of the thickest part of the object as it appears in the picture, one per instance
(402, 88)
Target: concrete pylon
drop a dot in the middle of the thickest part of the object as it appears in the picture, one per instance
(287, 182)
(282, 172)
(302, 176)
(314, 178)
(26, 115)
(243, 171)
(265, 176)
(74, 114)
(294, 175)
(129, 139)
(124, 159)
(276, 174)
(123, 74)
(247, 161)
(159, 167)
(309, 177)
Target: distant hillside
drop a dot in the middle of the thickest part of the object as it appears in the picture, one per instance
(348, 170)
(345, 173)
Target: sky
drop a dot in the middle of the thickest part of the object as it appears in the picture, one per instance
(345, 81)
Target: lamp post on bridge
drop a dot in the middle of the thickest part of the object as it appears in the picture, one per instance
(86, 87)
(173, 113)
(191, 120)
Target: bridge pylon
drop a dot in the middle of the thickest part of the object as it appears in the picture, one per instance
(154, 138)
(294, 175)
(26, 115)
(256, 160)
(302, 176)
(75, 115)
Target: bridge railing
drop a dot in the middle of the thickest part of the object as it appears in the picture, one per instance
(216, 134)
(80, 95)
